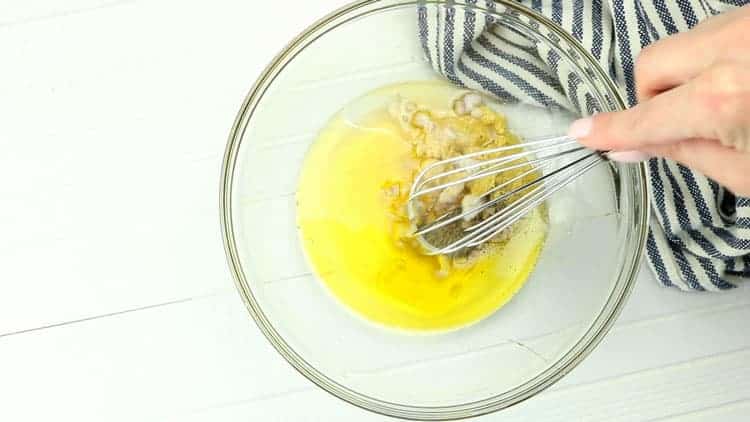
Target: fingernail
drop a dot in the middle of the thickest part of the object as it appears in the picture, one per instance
(628, 156)
(580, 128)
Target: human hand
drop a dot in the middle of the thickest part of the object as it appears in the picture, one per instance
(693, 91)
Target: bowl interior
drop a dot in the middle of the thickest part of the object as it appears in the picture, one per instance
(585, 270)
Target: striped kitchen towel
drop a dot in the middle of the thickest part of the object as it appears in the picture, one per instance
(700, 236)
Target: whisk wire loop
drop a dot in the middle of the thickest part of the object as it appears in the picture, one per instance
(557, 160)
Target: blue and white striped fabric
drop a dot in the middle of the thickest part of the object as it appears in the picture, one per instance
(700, 236)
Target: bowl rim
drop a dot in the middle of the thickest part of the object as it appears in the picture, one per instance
(569, 360)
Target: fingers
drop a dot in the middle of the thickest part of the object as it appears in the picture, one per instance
(669, 117)
(694, 104)
(714, 105)
(727, 166)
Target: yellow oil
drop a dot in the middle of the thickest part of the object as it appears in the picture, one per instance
(351, 236)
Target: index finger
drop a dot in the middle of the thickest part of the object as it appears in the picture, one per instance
(672, 116)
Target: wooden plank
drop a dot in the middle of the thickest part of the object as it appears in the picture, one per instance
(115, 122)
(205, 355)
(141, 365)
(731, 412)
(25, 12)
(716, 386)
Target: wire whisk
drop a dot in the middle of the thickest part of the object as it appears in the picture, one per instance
(535, 169)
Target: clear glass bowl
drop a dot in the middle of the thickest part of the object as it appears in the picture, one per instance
(586, 270)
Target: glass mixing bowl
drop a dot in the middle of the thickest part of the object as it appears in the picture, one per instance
(598, 226)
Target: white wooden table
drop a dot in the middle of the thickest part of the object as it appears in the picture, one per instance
(115, 299)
